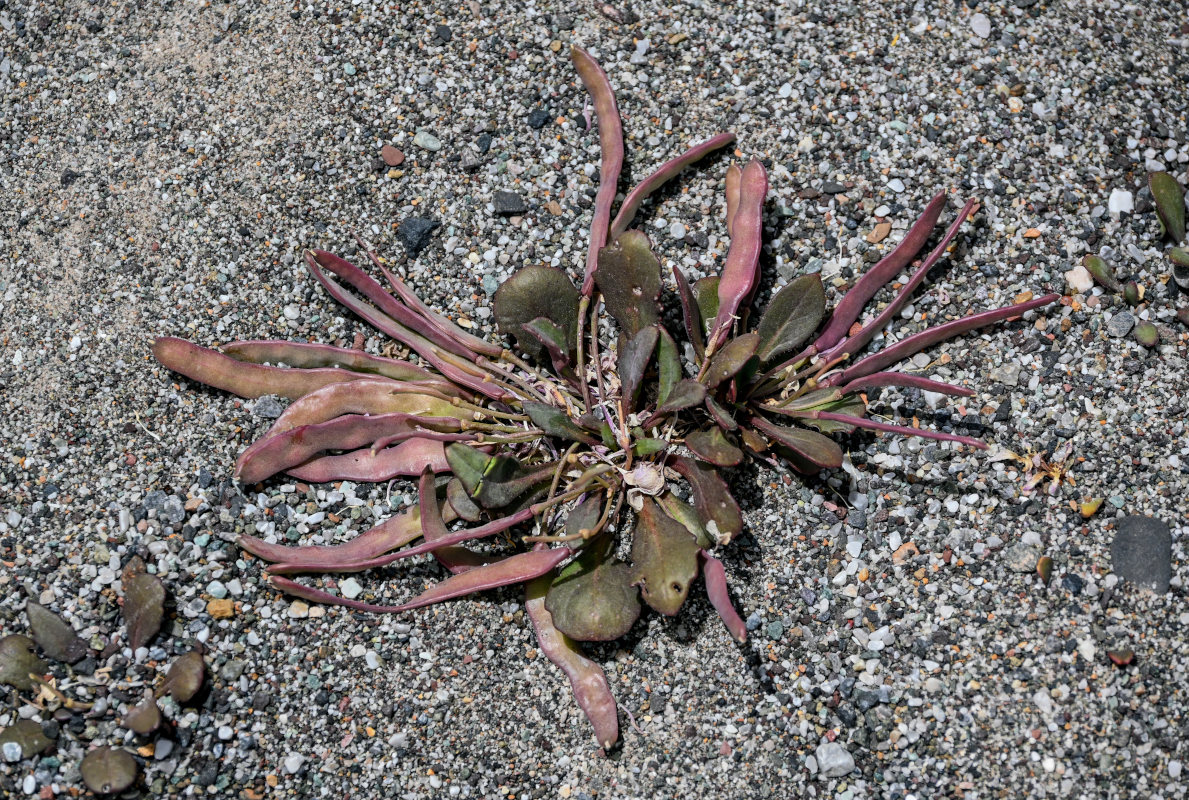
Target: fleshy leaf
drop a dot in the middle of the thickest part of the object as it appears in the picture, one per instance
(816, 448)
(633, 361)
(664, 559)
(433, 528)
(668, 364)
(468, 465)
(647, 446)
(506, 479)
(731, 358)
(731, 189)
(595, 601)
(17, 661)
(554, 340)
(687, 515)
(716, 589)
(1102, 272)
(27, 735)
(54, 635)
(687, 393)
(144, 718)
(1169, 198)
(108, 770)
(692, 314)
(712, 445)
(792, 317)
(585, 516)
(463, 505)
(705, 291)
(741, 271)
(144, 603)
(556, 422)
(184, 678)
(1146, 334)
(587, 679)
(712, 499)
(723, 418)
(629, 276)
(531, 293)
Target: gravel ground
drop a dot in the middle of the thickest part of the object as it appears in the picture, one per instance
(162, 166)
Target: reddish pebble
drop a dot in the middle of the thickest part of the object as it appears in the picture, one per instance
(130, 459)
(392, 157)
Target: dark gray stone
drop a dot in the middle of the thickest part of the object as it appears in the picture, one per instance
(1142, 553)
(508, 204)
(1121, 324)
(537, 118)
(415, 232)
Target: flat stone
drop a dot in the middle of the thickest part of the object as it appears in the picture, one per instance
(392, 157)
(879, 233)
(1079, 280)
(896, 185)
(833, 760)
(1008, 374)
(1021, 557)
(1142, 553)
(427, 141)
(508, 204)
(980, 24)
(1121, 324)
(537, 118)
(415, 232)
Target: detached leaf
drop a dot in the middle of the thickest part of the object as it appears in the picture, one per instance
(17, 660)
(664, 559)
(713, 446)
(1170, 204)
(27, 735)
(594, 601)
(1102, 272)
(144, 718)
(144, 603)
(54, 635)
(108, 770)
(633, 362)
(731, 358)
(556, 422)
(535, 292)
(792, 317)
(668, 364)
(184, 678)
(629, 276)
(712, 499)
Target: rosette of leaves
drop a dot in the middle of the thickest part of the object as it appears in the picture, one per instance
(586, 458)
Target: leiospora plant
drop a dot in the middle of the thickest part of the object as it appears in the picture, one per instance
(592, 437)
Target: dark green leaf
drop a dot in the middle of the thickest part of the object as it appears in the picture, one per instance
(585, 516)
(17, 661)
(712, 499)
(664, 559)
(532, 293)
(731, 358)
(54, 635)
(144, 603)
(554, 340)
(791, 317)
(646, 446)
(184, 678)
(593, 599)
(1170, 204)
(694, 326)
(852, 405)
(468, 465)
(27, 735)
(1146, 334)
(629, 276)
(705, 293)
(461, 502)
(815, 447)
(687, 515)
(668, 363)
(555, 422)
(1102, 272)
(633, 362)
(723, 418)
(144, 718)
(108, 770)
(713, 446)
(507, 479)
(686, 393)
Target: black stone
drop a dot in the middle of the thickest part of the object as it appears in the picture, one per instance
(70, 176)
(537, 118)
(830, 187)
(1073, 584)
(415, 233)
(484, 143)
(508, 203)
(1142, 553)
(443, 33)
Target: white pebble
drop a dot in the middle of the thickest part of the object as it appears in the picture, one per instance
(981, 25)
(350, 588)
(1120, 201)
(1079, 279)
(896, 185)
(1174, 769)
(293, 763)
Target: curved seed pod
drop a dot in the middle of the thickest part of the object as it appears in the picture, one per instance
(853, 344)
(519, 568)
(276, 453)
(457, 559)
(390, 534)
(879, 379)
(691, 313)
(715, 576)
(740, 273)
(611, 162)
(815, 448)
(246, 380)
(307, 356)
(903, 430)
(734, 176)
(370, 288)
(374, 466)
(665, 173)
(851, 306)
(912, 344)
(587, 679)
(367, 397)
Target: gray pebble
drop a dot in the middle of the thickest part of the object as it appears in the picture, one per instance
(1142, 553)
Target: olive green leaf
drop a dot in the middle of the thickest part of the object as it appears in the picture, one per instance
(791, 317)
(144, 718)
(27, 735)
(593, 599)
(730, 358)
(664, 559)
(713, 446)
(144, 603)
(629, 276)
(184, 678)
(531, 293)
(108, 770)
(17, 661)
(1170, 204)
(633, 361)
(54, 635)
